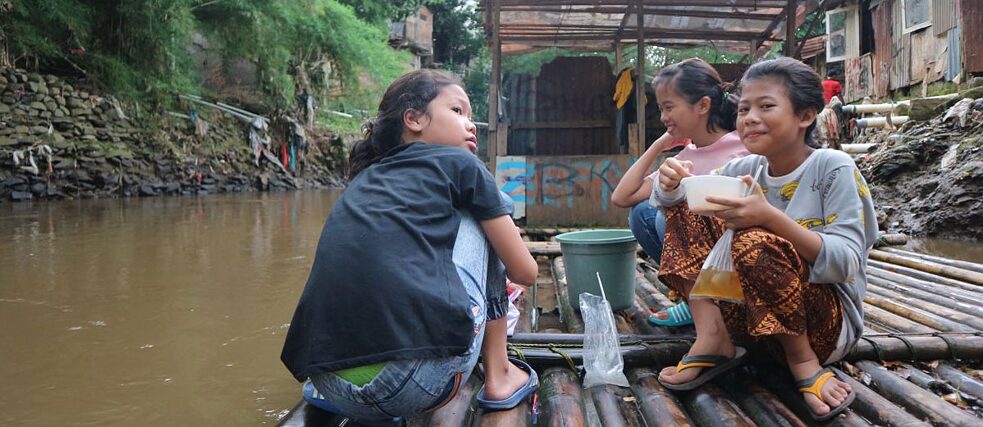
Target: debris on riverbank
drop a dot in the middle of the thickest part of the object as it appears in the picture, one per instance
(58, 141)
(927, 177)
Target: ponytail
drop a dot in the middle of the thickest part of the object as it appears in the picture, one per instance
(694, 79)
(412, 91)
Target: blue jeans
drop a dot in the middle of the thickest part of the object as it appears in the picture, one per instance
(408, 388)
(648, 224)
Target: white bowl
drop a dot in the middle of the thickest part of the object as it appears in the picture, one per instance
(697, 188)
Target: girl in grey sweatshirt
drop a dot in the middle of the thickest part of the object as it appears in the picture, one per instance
(801, 247)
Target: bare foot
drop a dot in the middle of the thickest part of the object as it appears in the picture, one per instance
(705, 345)
(501, 385)
(834, 391)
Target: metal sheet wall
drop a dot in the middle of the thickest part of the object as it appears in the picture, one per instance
(575, 89)
(883, 51)
(521, 108)
(944, 16)
(900, 49)
(953, 53)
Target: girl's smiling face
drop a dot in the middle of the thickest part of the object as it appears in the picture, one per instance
(681, 118)
(766, 119)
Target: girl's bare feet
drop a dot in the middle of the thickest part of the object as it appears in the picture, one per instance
(803, 363)
(503, 383)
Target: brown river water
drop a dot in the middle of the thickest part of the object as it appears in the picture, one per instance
(163, 311)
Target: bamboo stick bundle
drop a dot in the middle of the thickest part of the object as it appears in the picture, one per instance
(615, 406)
(944, 312)
(961, 295)
(875, 265)
(459, 411)
(969, 276)
(659, 407)
(915, 314)
(709, 405)
(958, 263)
(782, 385)
(560, 399)
(653, 277)
(959, 380)
(651, 296)
(931, 346)
(760, 404)
(877, 408)
(893, 321)
(569, 317)
(919, 402)
(942, 299)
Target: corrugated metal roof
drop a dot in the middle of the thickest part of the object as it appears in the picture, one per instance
(595, 25)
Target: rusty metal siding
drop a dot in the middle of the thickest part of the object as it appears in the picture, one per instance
(944, 16)
(900, 49)
(521, 108)
(575, 89)
(972, 35)
(882, 55)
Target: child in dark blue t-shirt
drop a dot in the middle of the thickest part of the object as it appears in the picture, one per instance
(404, 289)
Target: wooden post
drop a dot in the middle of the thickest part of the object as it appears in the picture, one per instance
(493, 86)
(636, 149)
(789, 48)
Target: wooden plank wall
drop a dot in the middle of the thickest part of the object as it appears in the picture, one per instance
(571, 90)
(569, 190)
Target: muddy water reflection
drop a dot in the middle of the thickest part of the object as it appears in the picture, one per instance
(162, 311)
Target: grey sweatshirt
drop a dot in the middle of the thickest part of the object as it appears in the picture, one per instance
(825, 194)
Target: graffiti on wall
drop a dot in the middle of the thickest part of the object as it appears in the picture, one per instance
(573, 183)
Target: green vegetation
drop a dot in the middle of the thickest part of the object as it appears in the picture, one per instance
(141, 49)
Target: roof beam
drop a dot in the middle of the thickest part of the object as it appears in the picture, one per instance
(704, 3)
(650, 11)
(649, 34)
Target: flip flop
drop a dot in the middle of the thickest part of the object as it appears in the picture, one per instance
(679, 315)
(512, 401)
(814, 385)
(717, 365)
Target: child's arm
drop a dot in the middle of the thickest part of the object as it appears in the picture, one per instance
(520, 266)
(633, 187)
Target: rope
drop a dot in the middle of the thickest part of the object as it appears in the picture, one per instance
(877, 349)
(911, 347)
(952, 348)
(518, 352)
(565, 356)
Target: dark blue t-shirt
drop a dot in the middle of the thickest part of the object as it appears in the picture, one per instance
(384, 286)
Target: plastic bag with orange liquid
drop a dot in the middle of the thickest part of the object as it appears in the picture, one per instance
(717, 279)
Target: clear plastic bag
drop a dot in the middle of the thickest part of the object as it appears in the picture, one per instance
(602, 352)
(717, 279)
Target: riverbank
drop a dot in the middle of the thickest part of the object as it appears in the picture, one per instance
(58, 141)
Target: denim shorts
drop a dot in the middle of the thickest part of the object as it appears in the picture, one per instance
(407, 388)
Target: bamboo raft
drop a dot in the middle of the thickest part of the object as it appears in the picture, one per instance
(916, 365)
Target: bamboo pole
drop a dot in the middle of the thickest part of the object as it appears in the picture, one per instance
(939, 298)
(921, 403)
(649, 294)
(760, 404)
(965, 265)
(526, 304)
(876, 408)
(891, 239)
(659, 406)
(569, 317)
(709, 405)
(969, 276)
(959, 380)
(612, 408)
(923, 380)
(653, 278)
(639, 319)
(969, 320)
(893, 321)
(459, 411)
(921, 275)
(518, 416)
(304, 414)
(560, 399)
(964, 295)
(922, 347)
(918, 315)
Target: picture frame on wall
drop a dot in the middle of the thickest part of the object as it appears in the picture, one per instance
(916, 14)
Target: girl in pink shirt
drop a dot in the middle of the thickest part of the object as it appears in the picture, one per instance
(699, 115)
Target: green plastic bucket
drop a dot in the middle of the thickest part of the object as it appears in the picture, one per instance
(608, 252)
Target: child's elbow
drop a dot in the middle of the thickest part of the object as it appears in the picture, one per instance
(526, 274)
(619, 201)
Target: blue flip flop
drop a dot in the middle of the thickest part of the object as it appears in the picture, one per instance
(679, 315)
(512, 401)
